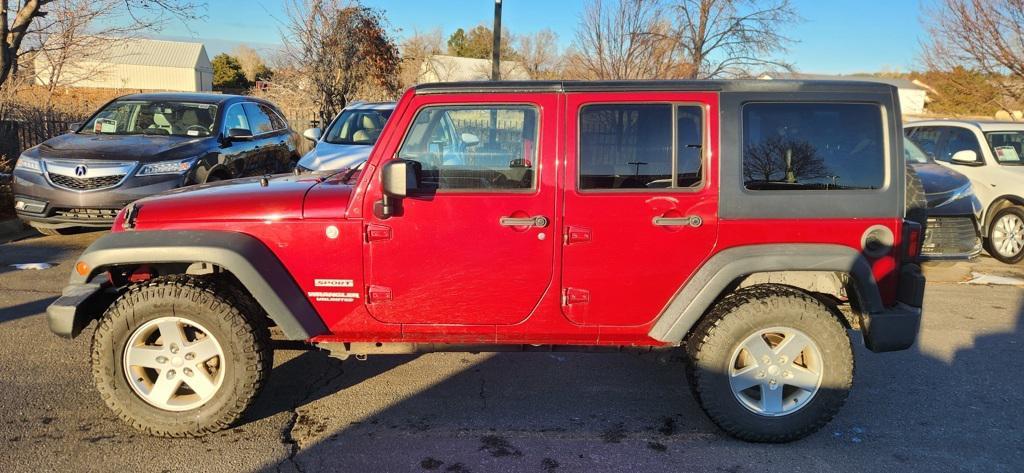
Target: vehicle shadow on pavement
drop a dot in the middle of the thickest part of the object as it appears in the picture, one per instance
(615, 412)
(26, 309)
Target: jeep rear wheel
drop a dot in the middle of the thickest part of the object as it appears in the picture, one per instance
(770, 363)
(1005, 240)
(181, 356)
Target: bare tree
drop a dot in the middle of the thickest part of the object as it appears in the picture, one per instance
(624, 39)
(779, 160)
(732, 38)
(417, 50)
(539, 54)
(343, 50)
(70, 20)
(251, 61)
(980, 35)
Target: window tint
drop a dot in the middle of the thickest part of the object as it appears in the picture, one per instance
(474, 147)
(959, 139)
(235, 118)
(276, 121)
(258, 120)
(813, 146)
(926, 138)
(629, 146)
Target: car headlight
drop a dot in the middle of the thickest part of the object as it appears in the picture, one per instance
(26, 163)
(961, 192)
(165, 167)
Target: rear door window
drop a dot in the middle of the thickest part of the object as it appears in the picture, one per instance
(637, 146)
(813, 146)
(926, 138)
(259, 122)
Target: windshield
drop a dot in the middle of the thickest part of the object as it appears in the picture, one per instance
(357, 127)
(142, 117)
(1006, 146)
(914, 154)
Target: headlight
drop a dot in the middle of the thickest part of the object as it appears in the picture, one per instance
(961, 192)
(165, 167)
(29, 164)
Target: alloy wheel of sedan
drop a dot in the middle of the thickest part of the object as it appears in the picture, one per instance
(1008, 235)
(775, 371)
(174, 364)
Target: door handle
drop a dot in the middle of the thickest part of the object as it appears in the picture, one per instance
(539, 221)
(691, 221)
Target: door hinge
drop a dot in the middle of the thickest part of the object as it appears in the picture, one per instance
(377, 294)
(377, 232)
(573, 295)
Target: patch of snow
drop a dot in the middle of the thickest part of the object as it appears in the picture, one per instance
(989, 279)
(31, 266)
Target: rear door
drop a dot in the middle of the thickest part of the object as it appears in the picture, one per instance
(640, 202)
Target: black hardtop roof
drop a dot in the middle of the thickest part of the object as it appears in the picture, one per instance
(196, 97)
(740, 85)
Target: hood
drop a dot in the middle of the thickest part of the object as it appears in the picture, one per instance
(943, 191)
(938, 179)
(144, 148)
(234, 200)
(331, 157)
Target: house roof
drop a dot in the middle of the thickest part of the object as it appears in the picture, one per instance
(152, 52)
(458, 69)
(899, 83)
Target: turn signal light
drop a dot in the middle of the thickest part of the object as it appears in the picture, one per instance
(81, 268)
(912, 234)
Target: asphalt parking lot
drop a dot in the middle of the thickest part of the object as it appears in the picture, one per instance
(952, 403)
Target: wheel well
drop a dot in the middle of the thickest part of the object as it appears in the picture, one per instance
(834, 289)
(997, 205)
(220, 173)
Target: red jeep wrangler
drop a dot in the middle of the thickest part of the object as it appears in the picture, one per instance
(531, 215)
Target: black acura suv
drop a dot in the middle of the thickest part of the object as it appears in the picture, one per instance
(142, 144)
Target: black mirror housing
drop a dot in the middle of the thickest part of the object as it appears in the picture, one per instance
(239, 134)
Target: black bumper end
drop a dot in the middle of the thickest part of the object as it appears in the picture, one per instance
(77, 306)
(896, 327)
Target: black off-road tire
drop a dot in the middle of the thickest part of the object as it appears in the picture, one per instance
(718, 335)
(227, 311)
(990, 246)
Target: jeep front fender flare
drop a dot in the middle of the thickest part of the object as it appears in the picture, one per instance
(245, 257)
(719, 272)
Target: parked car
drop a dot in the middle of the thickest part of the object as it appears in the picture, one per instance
(625, 215)
(143, 144)
(989, 154)
(953, 211)
(348, 139)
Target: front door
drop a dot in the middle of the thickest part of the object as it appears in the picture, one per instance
(640, 202)
(475, 246)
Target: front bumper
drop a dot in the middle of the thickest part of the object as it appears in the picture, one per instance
(896, 327)
(955, 237)
(78, 305)
(39, 202)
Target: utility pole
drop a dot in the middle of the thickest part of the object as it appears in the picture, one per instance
(496, 48)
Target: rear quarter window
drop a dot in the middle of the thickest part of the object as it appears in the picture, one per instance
(813, 146)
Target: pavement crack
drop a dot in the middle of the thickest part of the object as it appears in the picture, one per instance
(288, 437)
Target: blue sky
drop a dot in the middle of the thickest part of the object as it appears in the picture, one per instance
(836, 36)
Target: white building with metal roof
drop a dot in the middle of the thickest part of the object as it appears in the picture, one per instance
(913, 93)
(135, 63)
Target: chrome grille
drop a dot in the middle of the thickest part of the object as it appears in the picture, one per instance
(85, 184)
(951, 237)
(87, 214)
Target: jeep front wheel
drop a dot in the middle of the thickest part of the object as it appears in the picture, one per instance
(176, 357)
(770, 363)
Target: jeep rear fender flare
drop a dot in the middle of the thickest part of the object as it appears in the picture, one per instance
(245, 257)
(716, 276)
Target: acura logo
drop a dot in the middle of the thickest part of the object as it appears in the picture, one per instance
(81, 170)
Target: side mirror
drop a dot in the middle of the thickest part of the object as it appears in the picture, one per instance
(398, 177)
(239, 134)
(73, 127)
(966, 156)
(312, 134)
(470, 139)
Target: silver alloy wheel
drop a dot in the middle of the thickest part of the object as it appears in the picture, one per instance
(1008, 235)
(775, 371)
(174, 364)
